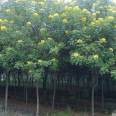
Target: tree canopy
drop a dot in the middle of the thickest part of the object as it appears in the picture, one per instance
(35, 34)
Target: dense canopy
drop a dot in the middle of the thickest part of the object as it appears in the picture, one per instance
(35, 34)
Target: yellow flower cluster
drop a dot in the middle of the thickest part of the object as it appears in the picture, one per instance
(3, 20)
(95, 57)
(111, 49)
(75, 54)
(102, 40)
(41, 42)
(110, 18)
(3, 28)
(68, 8)
(29, 23)
(29, 62)
(35, 14)
(41, 3)
(20, 41)
(19, 1)
(79, 41)
(54, 15)
(65, 21)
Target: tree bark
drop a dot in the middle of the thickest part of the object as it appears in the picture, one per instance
(26, 95)
(6, 95)
(37, 95)
(94, 84)
(54, 93)
(102, 93)
(92, 101)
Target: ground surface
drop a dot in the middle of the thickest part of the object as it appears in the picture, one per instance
(19, 108)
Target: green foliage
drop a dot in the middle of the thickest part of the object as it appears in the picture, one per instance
(34, 33)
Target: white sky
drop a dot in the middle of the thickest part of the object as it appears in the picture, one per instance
(1, 1)
(114, 1)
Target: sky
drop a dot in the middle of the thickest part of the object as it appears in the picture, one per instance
(2, 1)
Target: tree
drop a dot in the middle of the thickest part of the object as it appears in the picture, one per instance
(35, 34)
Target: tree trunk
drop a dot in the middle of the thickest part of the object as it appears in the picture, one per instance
(54, 93)
(26, 95)
(37, 95)
(102, 93)
(6, 95)
(92, 101)
(94, 84)
(53, 99)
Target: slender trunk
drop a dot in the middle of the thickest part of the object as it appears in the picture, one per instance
(6, 95)
(26, 89)
(53, 99)
(45, 84)
(54, 94)
(26, 95)
(94, 84)
(102, 93)
(92, 100)
(37, 95)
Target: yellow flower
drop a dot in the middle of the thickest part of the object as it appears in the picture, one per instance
(111, 49)
(42, 41)
(110, 18)
(66, 31)
(39, 61)
(56, 15)
(5, 20)
(94, 14)
(68, 8)
(95, 57)
(100, 19)
(35, 14)
(3, 28)
(114, 11)
(75, 54)
(92, 24)
(29, 23)
(50, 38)
(18, 1)
(83, 19)
(79, 41)
(85, 10)
(1, 20)
(29, 62)
(76, 8)
(50, 16)
(17, 31)
(41, 3)
(20, 41)
(33, 2)
(94, 4)
(102, 40)
(8, 10)
(65, 21)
